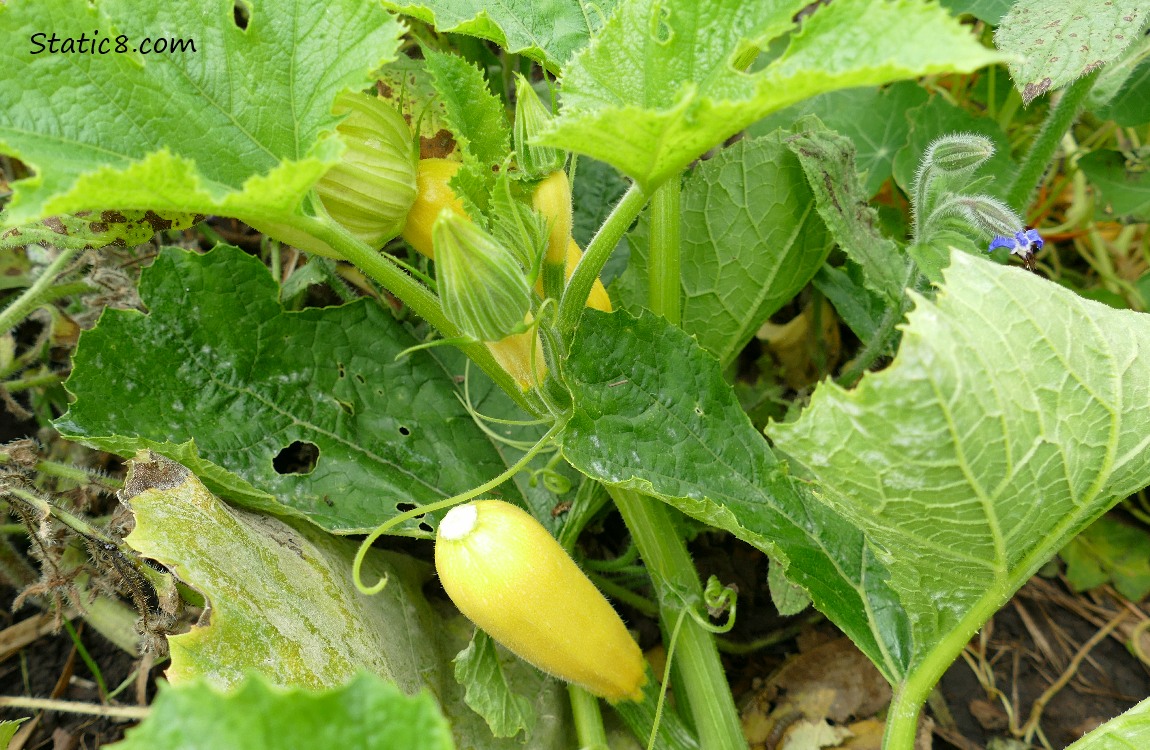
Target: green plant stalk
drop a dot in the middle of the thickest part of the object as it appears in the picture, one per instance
(588, 719)
(663, 271)
(93, 667)
(707, 691)
(700, 670)
(35, 295)
(596, 255)
(886, 329)
(82, 527)
(1037, 159)
(34, 381)
(413, 294)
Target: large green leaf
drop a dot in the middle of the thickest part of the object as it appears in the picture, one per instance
(658, 86)
(366, 713)
(1130, 731)
(547, 33)
(1013, 415)
(750, 241)
(282, 603)
(653, 413)
(829, 162)
(219, 377)
(476, 118)
(239, 126)
(874, 118)
(1123, 186)
(1056, 41)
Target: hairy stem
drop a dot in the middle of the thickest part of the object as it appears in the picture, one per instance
(597, 253)
(1037, 160)
(37, 294)
(707, 692)
(415, 295)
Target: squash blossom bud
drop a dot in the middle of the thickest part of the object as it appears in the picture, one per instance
(482, 285)
(372, 187)
(433, 194)
(530, 118)
(510, 577)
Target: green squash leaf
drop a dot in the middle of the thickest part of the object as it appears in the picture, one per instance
(658, 86)
(476, 118)
(479, 670)
(828, 160)
(220, 378)
(1057, 41)
(875, 119)
(1129, 731)
(547, 33)
(671, 427)
(241, 126)
(365, 713)
(91, 231)
(1110, 551)
(1010, 419)
(281, 596)
(750, 241)
(1124, 186)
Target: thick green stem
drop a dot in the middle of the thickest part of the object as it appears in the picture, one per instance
(707, 692)
(597, 253)
(663, 267)
(700, 670)
(419, 298)
(35, 295)
(588, 719)
(1037, 160)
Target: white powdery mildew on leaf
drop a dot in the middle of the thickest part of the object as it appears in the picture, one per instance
(1012, 417)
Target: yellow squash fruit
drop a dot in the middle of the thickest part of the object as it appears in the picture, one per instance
(433, 194)
(552, 198)
(510, 577)
(514, 354)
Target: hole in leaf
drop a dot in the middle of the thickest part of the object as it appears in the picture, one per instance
(297, 458)
(404, 507)
(425, 526)
(360, 379)
(342, 370)
(404, 431)
(241, 15)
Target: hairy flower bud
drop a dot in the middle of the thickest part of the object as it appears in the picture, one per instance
(482, 285)
(958, 152)
(530, 118)
(988, 214)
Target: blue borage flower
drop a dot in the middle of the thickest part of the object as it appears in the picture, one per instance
(1024, 244)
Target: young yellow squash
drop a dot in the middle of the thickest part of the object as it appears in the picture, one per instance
(510, 577)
